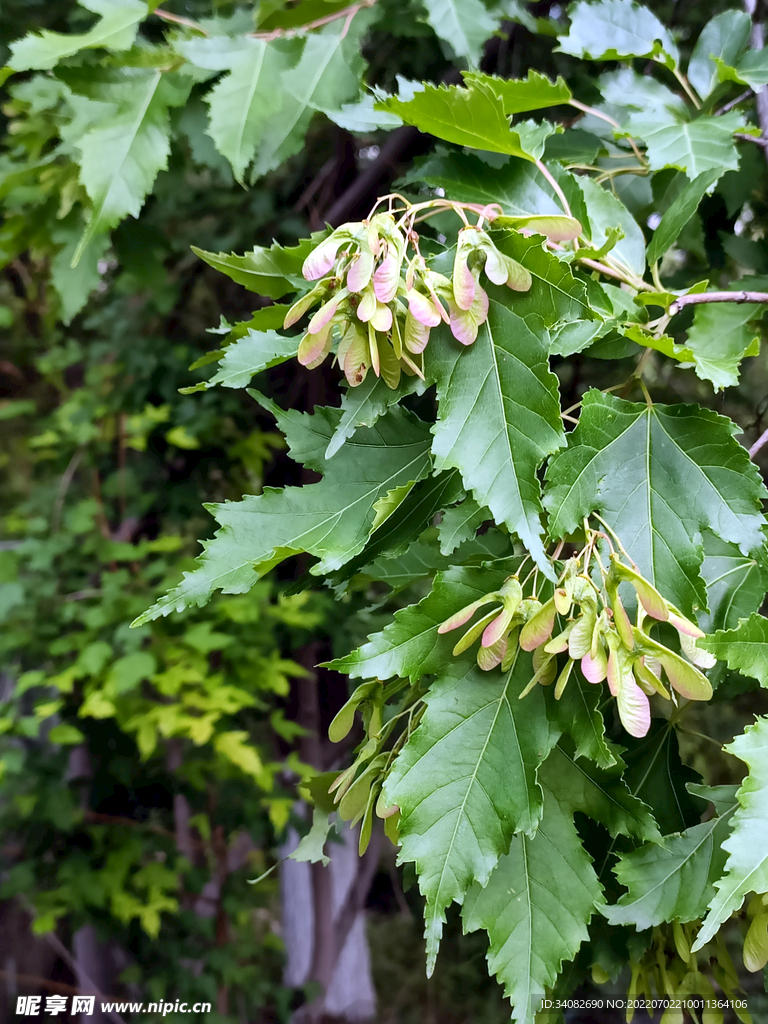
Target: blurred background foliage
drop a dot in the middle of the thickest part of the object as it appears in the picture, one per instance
(145, 775)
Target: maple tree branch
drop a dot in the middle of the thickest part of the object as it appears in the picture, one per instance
(695, 300)
(604, 117)
(603, 268)
(687, 88)
(762, 440)
(555, 187)
(733, 103)
(346, 12)
(53, 986)
(758, 42)
(758, 140)
(178, 19)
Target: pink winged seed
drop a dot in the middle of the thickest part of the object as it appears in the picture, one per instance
(323, 316)
(496, 629)
(634, 707)
(462, 616)
(320, 260)
(415, 334)
(422, 309)
(594, 669)
(386, 277)
(313, 348)
(463, 283)
(359, 273)
(382, 318)
(538, 629)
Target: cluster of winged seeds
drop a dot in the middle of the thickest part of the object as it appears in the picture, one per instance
(595, 630)
(380, 300)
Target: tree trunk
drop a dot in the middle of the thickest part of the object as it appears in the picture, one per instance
(348, 994)
(322, 907)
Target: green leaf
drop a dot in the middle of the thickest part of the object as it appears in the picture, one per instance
(361, 406)
(555, 294)
(121, 156)
(273, 272)
(745, 649)
(326, 76)
(517, 186)
(127, 672)
(577, 714)
(236, 747)
(720, 338)
(498, 419)
(736, 584)
(751, 69)
(627, 90)
(115, 30)
(680, 212)
(249, 355)
(387, 505)
(242, 102)
(606, 212)
(520, 95)
(601, 793)
(461, 523)
(659, 475)
(617, 30)
(747, 867)
(74, 285)
(423, 559)
(311, 847)
(463, 24)
(573, 147)
(674, 882)
(330, 519)
(403, 521)
(692, 146)
(65, 734)
(472, 117)
(536, 906)
(484, 745)
(410, 645)
(362, 117)
(725, 36)
(657, 776)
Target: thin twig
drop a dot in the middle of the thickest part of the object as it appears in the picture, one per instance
(605, 117)
(82, 595)
(686, 86)
(733, 103)
(696, 300)
(112, 819)
(53, 986)
(762, 440)
(177, 19)
(602, 268)
(121, 464)
(347, 12)
(555, 187)
(758, 140)
(61, 494)
(752, 7)
(641, 363)
(55, 942)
